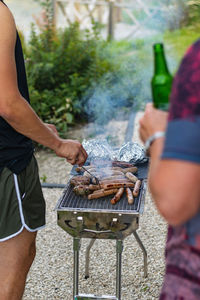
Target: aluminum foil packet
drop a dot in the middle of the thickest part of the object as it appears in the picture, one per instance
(129, 152)
(98, 148)
(133, 153)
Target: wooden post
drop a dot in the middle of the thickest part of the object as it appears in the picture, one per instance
(111, 21)
(118, 12)
(54, 12)
(100, 13)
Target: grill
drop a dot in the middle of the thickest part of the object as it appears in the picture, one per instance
(99, 219)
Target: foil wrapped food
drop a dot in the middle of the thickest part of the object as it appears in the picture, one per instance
(128, 152)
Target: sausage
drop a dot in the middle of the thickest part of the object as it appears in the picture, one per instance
(129, 196)
(131, 177)
(113, 178)
(111, 172)
(94, 187)
(101, 194)
(117, 196)
(89, 168)
(103, 183)
(79, 180)
(108, 186)
(132, 170)
(81, 190)
(119, 180)
(98, 191)
(137, 188)
(122, 164)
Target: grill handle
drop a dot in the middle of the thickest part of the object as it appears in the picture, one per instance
(97, 232)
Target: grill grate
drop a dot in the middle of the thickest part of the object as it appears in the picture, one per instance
(70, 201)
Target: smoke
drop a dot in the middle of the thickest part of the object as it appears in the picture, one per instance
(126, 90)
(129, 89)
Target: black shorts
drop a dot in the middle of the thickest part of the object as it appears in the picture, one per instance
(22, 203)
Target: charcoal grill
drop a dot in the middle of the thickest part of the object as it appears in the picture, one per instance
(99, 219)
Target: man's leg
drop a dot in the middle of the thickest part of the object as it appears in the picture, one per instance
(16, 257)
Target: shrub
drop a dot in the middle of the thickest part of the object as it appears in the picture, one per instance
(75, 75)
(193, 11)
(62, 66)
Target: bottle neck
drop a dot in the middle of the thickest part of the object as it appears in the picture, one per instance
(160, 63)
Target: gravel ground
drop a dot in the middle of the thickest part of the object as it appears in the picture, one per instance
(51, 275)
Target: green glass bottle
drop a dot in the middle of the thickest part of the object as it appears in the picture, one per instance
(161, 83)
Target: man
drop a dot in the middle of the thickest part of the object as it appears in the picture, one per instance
(174, 177)
(22, 207)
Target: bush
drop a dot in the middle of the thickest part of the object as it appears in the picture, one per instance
(62, 67)
(193, 11)
(75, 75)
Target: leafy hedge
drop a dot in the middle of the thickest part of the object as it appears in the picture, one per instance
(62, 66)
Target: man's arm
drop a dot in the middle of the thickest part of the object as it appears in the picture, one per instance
(174, 184)
(15, 109)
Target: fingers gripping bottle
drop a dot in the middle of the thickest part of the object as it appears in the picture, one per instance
(161, 83)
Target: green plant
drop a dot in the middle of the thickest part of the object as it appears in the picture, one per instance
(75, 75)
(193, 11)
(43, 178)
(62, 66)
(179, 40)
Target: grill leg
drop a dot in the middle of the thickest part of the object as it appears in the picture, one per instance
(119, 250)
(87, 258)
(76, 266)
(144, 252)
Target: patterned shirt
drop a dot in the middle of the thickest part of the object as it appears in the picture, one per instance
(182, 279)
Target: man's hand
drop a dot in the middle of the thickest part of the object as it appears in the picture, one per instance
(73, 151)
(153, 120)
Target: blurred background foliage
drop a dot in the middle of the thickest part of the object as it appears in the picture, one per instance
(75, 74)
(61, 67)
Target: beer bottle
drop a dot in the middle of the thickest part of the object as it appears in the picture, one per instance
(162, 80)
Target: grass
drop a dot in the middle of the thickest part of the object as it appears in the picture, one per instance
(181, 39)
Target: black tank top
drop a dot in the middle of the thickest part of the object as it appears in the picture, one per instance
(16, 150)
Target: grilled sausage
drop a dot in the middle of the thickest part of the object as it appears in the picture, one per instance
(89, 168)
(117, 197)
(79, 180)
(113, 178)
(108, 186)
(110, 172)
(101, 194)
(98, 191)
(122, 164)
(94, 187)
(132, 170)
(81, 190)
(131, 177)
(129, 196)
(137, 188)
(117, 180)
(103, 183)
